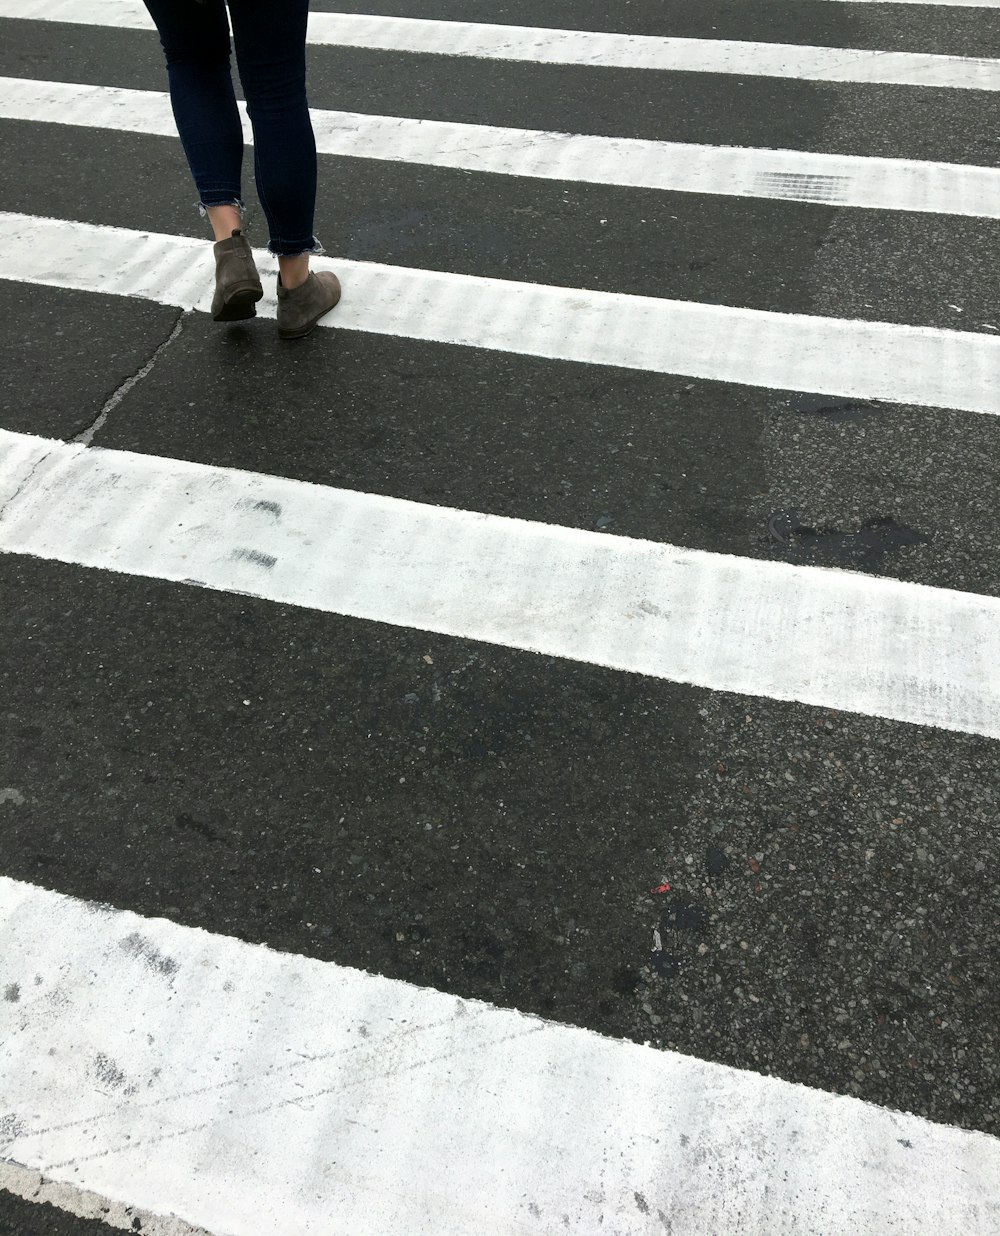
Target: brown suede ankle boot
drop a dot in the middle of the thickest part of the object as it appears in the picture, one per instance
(237, 284)
(299, 309)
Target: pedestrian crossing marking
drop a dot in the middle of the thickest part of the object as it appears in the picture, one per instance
(843, 180)
(311, 1098)
(866, 360)
(927, 656)
(586, 48)
(793, 1159)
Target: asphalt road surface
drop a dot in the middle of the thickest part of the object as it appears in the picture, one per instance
(750, 819)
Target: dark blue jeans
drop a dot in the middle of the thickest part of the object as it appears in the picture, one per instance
(270, 39)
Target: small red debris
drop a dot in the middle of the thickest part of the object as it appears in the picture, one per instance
(754, 865)
(661, 888)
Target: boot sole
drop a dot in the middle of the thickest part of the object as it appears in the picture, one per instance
(240, 304)
(300, 332)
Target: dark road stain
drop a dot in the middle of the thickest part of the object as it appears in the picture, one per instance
(12, 993)
(811, 938)
(864, 549)
(665, 965)
(716, 861)
(684, 916)
(625, 980)
(642, 1204)
(183, 820)
(825, 408)
(371, 234)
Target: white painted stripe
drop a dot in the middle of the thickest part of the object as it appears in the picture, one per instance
(871, 360)
(597, 49)
(590, 48)
(835, 639)
(844, 180)
(249, 1091)
(32, 1185)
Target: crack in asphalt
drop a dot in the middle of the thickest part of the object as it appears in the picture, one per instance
(86, 436)
(9, 502)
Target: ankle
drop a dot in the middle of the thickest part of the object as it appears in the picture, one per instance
(294, 271)
(224, 220)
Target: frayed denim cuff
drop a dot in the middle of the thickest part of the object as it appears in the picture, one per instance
(282, 248)
(225, 199)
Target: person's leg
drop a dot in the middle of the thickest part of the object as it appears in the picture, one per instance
(195, 41)
(270, 44)
(224, 220)
(271, 52)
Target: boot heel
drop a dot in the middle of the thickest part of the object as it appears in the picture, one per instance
(240, 303)
(237, 284)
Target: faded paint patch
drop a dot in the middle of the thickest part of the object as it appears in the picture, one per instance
(137, 945)
(256, 556)
(109, 1074)
(11, 1128)
(260, 504)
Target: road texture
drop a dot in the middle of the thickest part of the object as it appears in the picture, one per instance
(487, 821)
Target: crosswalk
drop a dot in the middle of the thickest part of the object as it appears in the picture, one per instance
(827, 177)
(525, 760)
(928, 655)
(583, 47)
(683, 167)
(866, 360)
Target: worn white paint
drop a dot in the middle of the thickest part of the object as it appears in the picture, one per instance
(599, 49)
(248, 1091)
(843, 180)
(830, 638)
(877, 360)
(34, 1186)
(591, 48)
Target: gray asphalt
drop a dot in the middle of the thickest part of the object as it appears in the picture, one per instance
(22, 1218)
(491, 822)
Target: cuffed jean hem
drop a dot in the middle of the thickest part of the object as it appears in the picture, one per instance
(296, 248)
(220, 199)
